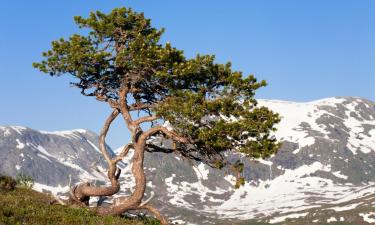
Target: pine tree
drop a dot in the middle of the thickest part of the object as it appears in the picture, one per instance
(210, 107)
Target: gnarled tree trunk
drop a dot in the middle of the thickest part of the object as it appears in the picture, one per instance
(134, 201)
(121, 205)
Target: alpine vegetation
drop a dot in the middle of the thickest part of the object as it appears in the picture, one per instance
(202, 107)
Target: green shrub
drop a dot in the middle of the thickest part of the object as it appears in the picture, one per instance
(25, 181)
(7, 183)
(239, 182)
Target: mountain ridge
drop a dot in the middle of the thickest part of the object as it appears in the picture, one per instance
(326, 159)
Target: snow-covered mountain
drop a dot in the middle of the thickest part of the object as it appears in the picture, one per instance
(324, 171)
(50, 157)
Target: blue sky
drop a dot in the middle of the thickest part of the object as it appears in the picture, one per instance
(306, 50)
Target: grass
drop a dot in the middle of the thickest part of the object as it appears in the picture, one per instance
(23, 206)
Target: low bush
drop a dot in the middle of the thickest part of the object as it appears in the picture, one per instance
(25, 181)
(7, 183)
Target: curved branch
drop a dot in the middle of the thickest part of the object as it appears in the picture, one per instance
(103, 134)
(84, 191)
(138, 106)
(156, 148)
(145, 119)
(75, 199)
(72, 196)
(169, 133)
(125, 109)
(156, 213)
(123, 153)
(123, 204)
(111, 102)
(134, 201)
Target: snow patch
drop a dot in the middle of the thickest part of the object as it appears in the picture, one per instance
(357, 139)
(6, 131)
(332, 219)
(368, 217)
(178, 190)
(93, 145)
(345, 208)
(18, 129)
(293, 115)
(290, 216)
(43, 157)
(340, 175)
(67, 133)
(42, 150)
(20, 145)
(201, 171)
(167, 125)
(281, 194)
(265, 162)
(54, 190)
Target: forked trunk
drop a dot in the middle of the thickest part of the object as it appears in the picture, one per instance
(134, 201)
(123, 204)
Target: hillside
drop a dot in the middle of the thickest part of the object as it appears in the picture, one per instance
(323, 172)
(24, 206)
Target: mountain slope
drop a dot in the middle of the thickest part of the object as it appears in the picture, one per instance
(50, 157)
(324, 168)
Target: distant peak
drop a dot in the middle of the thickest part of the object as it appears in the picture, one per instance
(323, 101)
(20, 129)
(66, 132)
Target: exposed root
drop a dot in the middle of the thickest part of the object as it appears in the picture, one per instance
(72, 196)
(58, 200)
(148, 200)
(75, 200)
(163, 220)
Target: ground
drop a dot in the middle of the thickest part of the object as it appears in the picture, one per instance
(24, 206)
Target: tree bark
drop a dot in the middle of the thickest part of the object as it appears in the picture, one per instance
(123, 204)
(134, 201)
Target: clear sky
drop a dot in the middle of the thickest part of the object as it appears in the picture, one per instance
(306, 50)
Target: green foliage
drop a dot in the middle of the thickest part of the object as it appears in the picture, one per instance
(25, 180)
(7, 183)
(237, 168)
(239, 182)
(118, 44)
(206, 102)
(24, 206)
